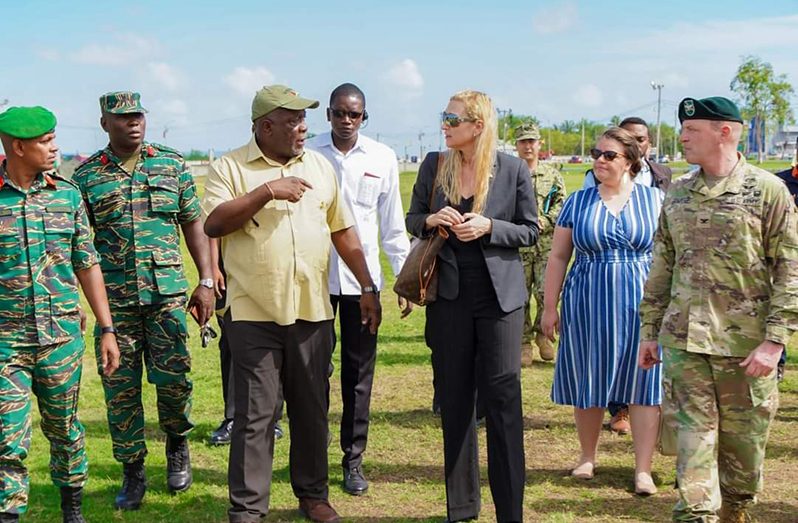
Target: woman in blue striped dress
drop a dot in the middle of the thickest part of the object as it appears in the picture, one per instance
(612, 228)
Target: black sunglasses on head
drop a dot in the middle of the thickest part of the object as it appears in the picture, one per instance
(608, 155)
(338, 113)
(453, 120)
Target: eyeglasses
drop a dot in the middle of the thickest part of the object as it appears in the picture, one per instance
(608, 155)
(338, 113)
(453, 120)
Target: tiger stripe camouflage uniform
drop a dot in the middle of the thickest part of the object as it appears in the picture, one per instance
(136, 219)
(44, 240)
(550, 193)
(723, 280)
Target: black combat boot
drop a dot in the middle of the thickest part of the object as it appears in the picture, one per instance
(71, 500)
(134, 485)
(178, 464)
(8, 517)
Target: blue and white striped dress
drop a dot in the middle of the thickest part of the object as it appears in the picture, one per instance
(599, 321)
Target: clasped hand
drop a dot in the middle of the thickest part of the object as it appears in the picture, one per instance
(466, 227)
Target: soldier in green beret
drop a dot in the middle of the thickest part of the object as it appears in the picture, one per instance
(550, 194)
(45, 250)
(722, 299)
(140, 196)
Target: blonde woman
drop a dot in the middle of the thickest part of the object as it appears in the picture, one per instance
(612, 228)
(486, 202)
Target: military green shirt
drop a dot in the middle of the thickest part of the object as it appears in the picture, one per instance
(725, 270)
(550, 194)
(136, 219)
(44, 239)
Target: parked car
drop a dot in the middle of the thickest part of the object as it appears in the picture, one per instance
(575, 159)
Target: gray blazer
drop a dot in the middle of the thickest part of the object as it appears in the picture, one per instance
(512, 207)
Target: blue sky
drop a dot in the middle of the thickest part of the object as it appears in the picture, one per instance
(197, 64)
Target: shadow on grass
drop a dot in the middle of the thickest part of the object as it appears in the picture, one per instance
(294, 515)
(400, 338)
(405, 418)
(787, 414)
(389, 359)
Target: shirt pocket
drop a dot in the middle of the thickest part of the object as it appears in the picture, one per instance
(10, 242)
(164, 194)
(106, 200)
(368, 190)
(168, 271)
(59, 227)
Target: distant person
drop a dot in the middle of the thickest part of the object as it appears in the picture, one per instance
(652, 174)
(550, 194)
(140, 196)
(612, 228)
(475, 326)
(278, 211)
(368, 175)
(722, 301)
(45, 250)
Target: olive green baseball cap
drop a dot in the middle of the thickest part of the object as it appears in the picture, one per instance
(121, 102)
(272, 97)
(527, 131)
(26, 122)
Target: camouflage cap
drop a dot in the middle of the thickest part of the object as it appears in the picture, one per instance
(121, 102)
(527, 131)
(26, 122)
(712, 108)
(272, 97)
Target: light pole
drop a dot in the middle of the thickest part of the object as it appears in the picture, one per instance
(658, 87)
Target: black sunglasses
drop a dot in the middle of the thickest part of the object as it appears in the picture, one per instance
(453, 120)
(608, 155)
(338, 113)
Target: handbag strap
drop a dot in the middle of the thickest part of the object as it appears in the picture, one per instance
(441, 157)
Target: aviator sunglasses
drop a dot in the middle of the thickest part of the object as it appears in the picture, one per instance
(453, 120)
(338, 113)
(608, 155)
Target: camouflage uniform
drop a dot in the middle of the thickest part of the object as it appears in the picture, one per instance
(44, 240)
(724, 279)
(136, 219)
(550, 193)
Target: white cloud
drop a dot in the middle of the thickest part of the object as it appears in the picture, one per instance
(245, 81)
(588, 95)
(164, 75)
(555, 19)
(124, 50)
(49, 54)
(406, 75)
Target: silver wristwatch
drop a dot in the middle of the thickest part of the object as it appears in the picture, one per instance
(207, 282)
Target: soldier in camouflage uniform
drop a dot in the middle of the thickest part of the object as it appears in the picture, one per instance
(45, 249)
(722, 298)
(139, 195)
(550, 193)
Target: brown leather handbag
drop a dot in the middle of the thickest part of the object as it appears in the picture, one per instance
(418, 279)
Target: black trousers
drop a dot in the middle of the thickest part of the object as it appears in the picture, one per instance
(358, 357)
(475, 351)
(266, 355)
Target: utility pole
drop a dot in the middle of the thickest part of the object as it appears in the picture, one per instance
(583, 139)
(675, 132)
(420, 147)
(658, 87)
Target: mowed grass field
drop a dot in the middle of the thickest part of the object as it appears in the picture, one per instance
(404, 460)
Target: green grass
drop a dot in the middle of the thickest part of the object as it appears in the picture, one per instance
(404, 461)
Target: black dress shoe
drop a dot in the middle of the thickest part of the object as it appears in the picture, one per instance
(278, 430)
(222, 435)
(354, 481)
(134, 485)
(178, 464)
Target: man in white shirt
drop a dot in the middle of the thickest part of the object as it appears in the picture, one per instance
(368, 176)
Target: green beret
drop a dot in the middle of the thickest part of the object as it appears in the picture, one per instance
(26, 122)
(121, 102)
(527, 131)
(712, 108)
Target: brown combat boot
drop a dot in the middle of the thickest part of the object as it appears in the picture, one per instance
(527, 356)
(545, 346)
(730, 513)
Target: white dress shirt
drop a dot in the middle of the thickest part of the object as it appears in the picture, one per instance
(368, 176)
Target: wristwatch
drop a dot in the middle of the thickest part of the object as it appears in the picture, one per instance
(370, 288)
(108, 330)
(207, 282)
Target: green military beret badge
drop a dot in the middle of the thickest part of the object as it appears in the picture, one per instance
(26, 122)
(121, 102)
(712, 108)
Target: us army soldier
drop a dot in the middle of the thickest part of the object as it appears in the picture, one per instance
(722, 299)
(45, 250)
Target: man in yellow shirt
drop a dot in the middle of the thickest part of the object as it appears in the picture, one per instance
(278, 212)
